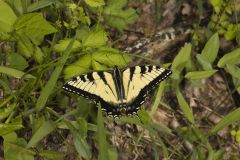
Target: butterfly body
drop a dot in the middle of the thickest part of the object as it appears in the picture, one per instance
(118, 91)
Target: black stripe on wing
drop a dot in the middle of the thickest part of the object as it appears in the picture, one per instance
(133, 107)
(81, 78)
(110, 109)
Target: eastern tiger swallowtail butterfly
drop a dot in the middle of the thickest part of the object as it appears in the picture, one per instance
(118, 91)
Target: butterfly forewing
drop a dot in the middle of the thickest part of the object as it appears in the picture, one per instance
(98, 86)
(139, 80)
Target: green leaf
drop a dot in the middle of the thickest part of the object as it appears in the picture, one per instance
(6, 111)
(6, 128)
(14, 148)
(95, 39)
(98, 60)
(116, 16)
(80, 66)
(181, 60)
(62, 45)
(113, 154)
(7, 17)
(95, 3)
(34, 26)
(200, 74)
(18, 6)
(38, 54)
(25, 46)
(48, 88)
(51, 154)
(230, 34)
(230, 58)
(206, 65)
(158, 98)
(217, 5)
(144, 116)
(234, 71)
(98, 66)
(110, 58)
(184, 106)
(39, 5)
(16, 61)
(211, 48)
(101, 137)
(46, 128)
(82, 147)
(230, 118)
(15, 73)
(79, 140)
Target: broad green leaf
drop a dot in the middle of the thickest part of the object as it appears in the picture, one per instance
(7, 17)
(4, 36)
(82, 127)
(236, 83)
(218, 155)
(95, 39)
(211, 48)
(18, 6)
(14, 148)
(6, 128)
(25, 46)
(51, 154)
(39, 5)
(182, 57)
(217, 5)
(158, 97)
(48, 88)
(82, 65)
(15, 73)
(37, 122)
(16, 61)
(184, 106)
(34, 26)
(101, 137)
(180, 61)
(38, 54)
(62, 45)
(82, 32)
(113, 154)
(230, 118)
(238, 90)
(234, 70)
(116, 16)
(95, 3)
(98, 60)
(110, 58)
(144, 116)
(230, 58)
(230, 34)
(82, 147)
(46, 128)
(79, 140)
(206, 65)
(6, 111)
(200, 74)
(98, 66)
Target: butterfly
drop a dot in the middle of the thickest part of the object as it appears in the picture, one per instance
(118, 91)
